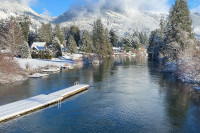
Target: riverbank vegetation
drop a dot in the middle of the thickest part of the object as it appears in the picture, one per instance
(174, 45)
(17, 39)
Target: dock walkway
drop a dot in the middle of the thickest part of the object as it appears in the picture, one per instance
(21, 107)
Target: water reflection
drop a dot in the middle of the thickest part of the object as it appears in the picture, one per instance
(126, 94)
(175, 95)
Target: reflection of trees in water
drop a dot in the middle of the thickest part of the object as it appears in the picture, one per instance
(176, 98)
(104, 70)
(91, 74)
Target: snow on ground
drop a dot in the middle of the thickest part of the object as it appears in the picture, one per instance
(72, 57)
(37, 63)
(38, 75)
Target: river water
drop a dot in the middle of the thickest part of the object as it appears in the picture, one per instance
(125, 95)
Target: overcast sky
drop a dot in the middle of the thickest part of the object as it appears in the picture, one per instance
(57, 7)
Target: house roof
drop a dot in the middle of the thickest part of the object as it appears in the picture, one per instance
(39, 45)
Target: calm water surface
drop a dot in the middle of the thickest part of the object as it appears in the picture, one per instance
(126, 95)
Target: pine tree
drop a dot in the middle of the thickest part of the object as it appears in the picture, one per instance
(25, 50)
(108, 46)
(127, 44)
(113, 38)
(101, 39)
(46, 33)
(57, 49)
(136, 41)
(75, 32)
(72, 47)
(179, 21)
(98, 35)
(25, 24)
(86, 43)
(59, 34)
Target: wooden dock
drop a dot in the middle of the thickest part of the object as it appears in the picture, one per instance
(18, 108)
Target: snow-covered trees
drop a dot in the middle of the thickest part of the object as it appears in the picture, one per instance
(179, 20)
(45, 33)
(86, 43)
(71, 47)
(56, 48)
(11, 37)
(75, 32)
(25, 24)
(136, 40)
(113, 38)
(25, 50)
(59, 34)
(101, 39)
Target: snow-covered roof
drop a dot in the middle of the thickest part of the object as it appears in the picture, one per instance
(39, 45)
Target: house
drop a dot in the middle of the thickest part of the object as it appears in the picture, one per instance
(39, 46)
(117, 50)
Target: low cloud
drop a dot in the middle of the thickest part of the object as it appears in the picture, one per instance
(24, 2)
(129, 5)
(46, 12)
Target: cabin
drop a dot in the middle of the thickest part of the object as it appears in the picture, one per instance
(39, 46)
(117, 49)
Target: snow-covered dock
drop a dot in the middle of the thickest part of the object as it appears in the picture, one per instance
(18, 108)
(38, 75)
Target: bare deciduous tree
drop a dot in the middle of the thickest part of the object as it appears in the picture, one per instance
(11, 37)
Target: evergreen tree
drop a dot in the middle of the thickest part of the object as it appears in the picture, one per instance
(179, 21)
(59, 34)
(98, 35)
(155, 41)
(57, 49)
(113, 38)
(33, 37)
(101, 39)
(25, 24)
(72, 47)
(45, 33)
(86, 43)
(136, 41)
(25, 50)
(108, 46)
(75, 32)
(127, 44)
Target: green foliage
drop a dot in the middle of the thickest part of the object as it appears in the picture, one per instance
(25, 50)
(127, 45)
(101, 39)
(86, 43)
(75, 32)
(143, 37)
(72, 47)
(33, 37)
(59, 34)
(155, 41)
(46, 33)
(113, 38)
(25, 23)
(179, 20)
(136, 40)
(57, 49)
(43, 54)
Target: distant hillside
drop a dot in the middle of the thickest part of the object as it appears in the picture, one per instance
(8, 9)
(122, 22)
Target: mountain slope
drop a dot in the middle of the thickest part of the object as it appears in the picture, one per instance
(119, 21)
(15, 9)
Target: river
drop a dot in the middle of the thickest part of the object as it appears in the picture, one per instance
(126, 95)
